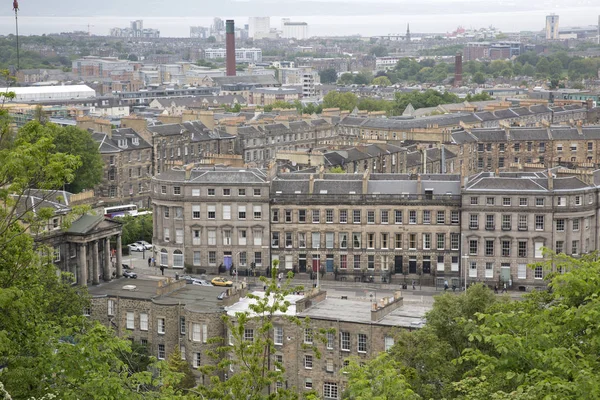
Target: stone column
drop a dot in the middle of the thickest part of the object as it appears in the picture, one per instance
(107, 266)
(83, 268)
(119, 257)
(96, 261)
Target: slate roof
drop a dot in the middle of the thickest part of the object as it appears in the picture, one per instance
(505, 114)
(565, 133)
(110, 143)
(490, 135)
(215, 175)
(523, 182)
(519, 134)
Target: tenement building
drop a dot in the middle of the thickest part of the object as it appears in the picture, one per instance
(127, 167)
(168, 316)
(512, 148)
(211, 218)
(508, 219)
(374, 226)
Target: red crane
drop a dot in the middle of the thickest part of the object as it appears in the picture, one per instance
(15, 5)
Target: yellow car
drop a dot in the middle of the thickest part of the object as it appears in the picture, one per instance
(218, 281)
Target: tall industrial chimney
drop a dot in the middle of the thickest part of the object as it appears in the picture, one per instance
(458, 70)
(230, 46)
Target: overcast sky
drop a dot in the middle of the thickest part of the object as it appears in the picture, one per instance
(325, 17)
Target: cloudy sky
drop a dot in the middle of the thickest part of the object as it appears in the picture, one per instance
(366, 17)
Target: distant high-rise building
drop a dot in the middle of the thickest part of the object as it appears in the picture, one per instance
(259, 27)
(295, 30)
(198, 32)
(552, 27)
(217, 27)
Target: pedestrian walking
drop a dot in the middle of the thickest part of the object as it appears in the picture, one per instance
(149, 262)
(162, 269)
(445, 285)
(413, 284)
(280, 276)
(496, 288)
(504, 289)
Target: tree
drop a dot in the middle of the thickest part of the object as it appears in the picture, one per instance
(344, 101)
(47, 347)
(556, 68)
(382, 81)
(75, 141)
(542, 68)
(363, 78)
(211, 39)
(328, 75)
(251, 360)
(346, 79)
(183, 369)
(479, 78)
(528, 70)
(337, 170)
(378, 51)
(377, 379)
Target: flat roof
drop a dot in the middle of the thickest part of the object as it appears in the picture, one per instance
(359, 311)
(196, 298)
(244, 304)
(49, 89)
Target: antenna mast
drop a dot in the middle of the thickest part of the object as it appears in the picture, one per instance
(16, 10)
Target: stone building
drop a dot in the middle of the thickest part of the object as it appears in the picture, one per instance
(384, 226)
(211, 218)
(168, 315)
(259, 144)
(165, 316)
(513, 148)
(507, 219)
(188, 142)
(127, 167)
(84, 247)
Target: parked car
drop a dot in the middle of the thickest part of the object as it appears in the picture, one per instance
(220, 281)
(130, 274)
(144, 244)
(135, 247)
(201, 282)
(126, 267)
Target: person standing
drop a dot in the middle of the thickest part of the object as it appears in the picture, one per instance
(504, 288)
(149, 261)
(413, 284)
(280, 277)
(445, 285)
(162, 269)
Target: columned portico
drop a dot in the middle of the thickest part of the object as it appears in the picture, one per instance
(83, 267)
(96, 261)
(119, 260)
(107, 267)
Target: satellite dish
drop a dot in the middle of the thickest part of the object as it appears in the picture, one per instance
(293, 163)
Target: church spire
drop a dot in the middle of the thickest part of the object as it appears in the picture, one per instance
(408, 32)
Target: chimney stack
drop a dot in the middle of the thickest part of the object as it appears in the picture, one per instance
(458, 70)
(230, 47)
(311, 184)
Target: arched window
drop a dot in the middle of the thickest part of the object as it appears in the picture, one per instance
(164, 257)
(177, 259)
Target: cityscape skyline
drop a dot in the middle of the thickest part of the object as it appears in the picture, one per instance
(330, 25)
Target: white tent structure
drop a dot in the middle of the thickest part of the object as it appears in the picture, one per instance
(45, 93)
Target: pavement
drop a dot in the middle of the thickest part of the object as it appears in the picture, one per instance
(139, 260)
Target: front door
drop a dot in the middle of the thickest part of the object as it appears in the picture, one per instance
(302, 263)
(398, 264)
(329, 263)
(426, 265)
(316, 262)
(412, 265)
(505, 274)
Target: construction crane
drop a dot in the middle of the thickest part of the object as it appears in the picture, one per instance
(16, 10)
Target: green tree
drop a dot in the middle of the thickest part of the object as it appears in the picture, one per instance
(346, 79)
(542, 68)
(328, 75)
(77, 142)
(382, 81)
(479, 78)
(556, 67)
(363, 78)
(345, 101)
(377, 379)
(251, 360)
(528, 70)
(378, 51)
(211, 39)
(337, 170)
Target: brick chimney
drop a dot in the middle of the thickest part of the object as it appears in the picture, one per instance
(188, 171)
(311, 184)
(550, 180)
(230, 47)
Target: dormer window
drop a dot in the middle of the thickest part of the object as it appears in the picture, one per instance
(123, 143)
(135, 141)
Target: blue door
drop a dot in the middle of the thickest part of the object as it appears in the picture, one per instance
(329, 264)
